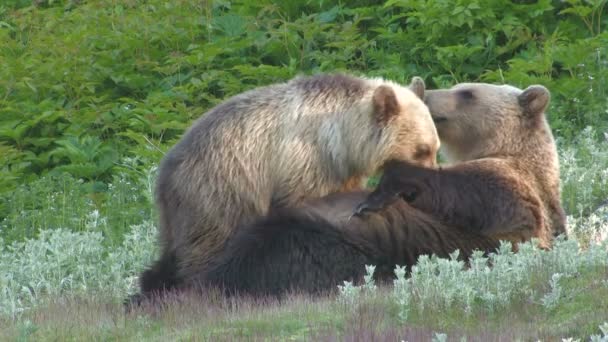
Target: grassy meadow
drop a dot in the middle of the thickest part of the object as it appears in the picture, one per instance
(94, 92)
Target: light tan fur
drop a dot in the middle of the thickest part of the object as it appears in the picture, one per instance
(277, 145)
(485, 122)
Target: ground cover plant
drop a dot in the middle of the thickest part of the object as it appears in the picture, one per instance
(93, 92)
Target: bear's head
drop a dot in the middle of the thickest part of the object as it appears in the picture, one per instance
(407, 131)
(400, 180)
(476, 120)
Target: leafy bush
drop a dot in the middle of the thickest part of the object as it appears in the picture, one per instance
(60, 200)
(584, 171)
(115, 80)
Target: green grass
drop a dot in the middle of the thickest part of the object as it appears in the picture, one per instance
(62, 201)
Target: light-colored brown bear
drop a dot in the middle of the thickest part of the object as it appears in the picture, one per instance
(273, 147)
(503, 128)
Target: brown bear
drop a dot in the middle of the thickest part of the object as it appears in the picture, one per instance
(468, 195)
(313, 249)
(272, 147)
(505, 180)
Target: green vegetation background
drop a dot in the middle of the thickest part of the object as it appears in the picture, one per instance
(92, 93)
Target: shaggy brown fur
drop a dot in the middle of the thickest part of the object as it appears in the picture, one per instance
(314, 248)
(274, 146)
(479, 196)
(505, 180)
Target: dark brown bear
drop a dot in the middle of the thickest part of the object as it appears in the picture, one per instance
(476, 196)
(313, 249)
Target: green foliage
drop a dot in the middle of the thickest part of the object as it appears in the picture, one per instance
(584, 171)
(61, 201)
(84, 84)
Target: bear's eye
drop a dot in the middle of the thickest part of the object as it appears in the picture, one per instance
(465, 94)
(409, 196)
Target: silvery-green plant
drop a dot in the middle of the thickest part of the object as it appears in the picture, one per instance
(603, 337)
(437, 283)
(369, 284)
(440, 337)
(584, 172)
(94, 222)
(401, 292)
(61, 262)
(349, 293)
(551, 299)
(590, 229)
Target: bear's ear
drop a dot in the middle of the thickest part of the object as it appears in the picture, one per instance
(534, 100)
(417, 86)
(385, 104)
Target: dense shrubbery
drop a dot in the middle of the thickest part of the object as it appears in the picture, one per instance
(85, 84)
